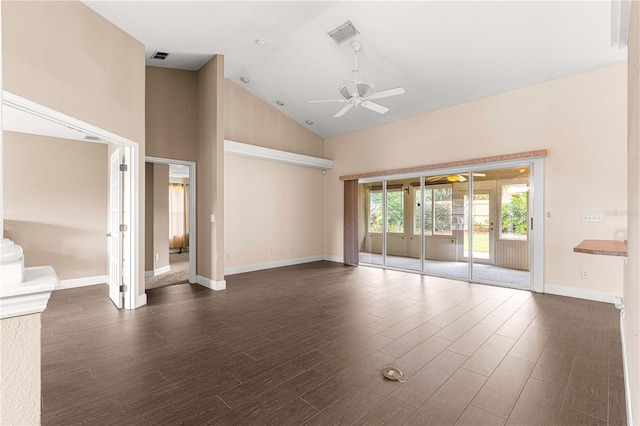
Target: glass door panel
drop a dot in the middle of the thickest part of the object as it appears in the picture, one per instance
(483, 222)
(443, 226)
(499, 218)
(370, 222)
(402, 249)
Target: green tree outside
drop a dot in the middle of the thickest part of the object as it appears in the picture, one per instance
(514, 215)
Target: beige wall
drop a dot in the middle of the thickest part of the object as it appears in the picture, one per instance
(632, 278)
(161, 215)
(171, 113)
(55, 202)
(157, 216)
(271, 206)
(148, 217)
(581, 119)
(20, 370)
(210, 170)
(67, 57)
(185, 119)
(274, 206)
(249, 119)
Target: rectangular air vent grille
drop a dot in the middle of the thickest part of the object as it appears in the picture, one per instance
(91, 138)
(343, 32)
(159, 55)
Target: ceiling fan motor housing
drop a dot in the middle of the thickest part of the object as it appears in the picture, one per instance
(364, 89)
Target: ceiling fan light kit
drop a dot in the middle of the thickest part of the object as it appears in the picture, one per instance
(358, 92)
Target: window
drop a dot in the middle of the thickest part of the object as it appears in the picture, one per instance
(395, 211)
(375, 211)
(514, 215)
(437, 211)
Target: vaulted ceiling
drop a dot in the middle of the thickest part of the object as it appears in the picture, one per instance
(443, 53)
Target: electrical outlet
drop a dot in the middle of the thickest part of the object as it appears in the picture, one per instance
(273, 251)
(228, 256)
(592, 217)
(157, 257)
(584, 273)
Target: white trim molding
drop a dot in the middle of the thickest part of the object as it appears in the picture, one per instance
(581, 293)
(158, 271)
(213, 285)
(82, 282)
(31, 295)
(625, 369)
(141, 300)
(262, 153)
(270, 265)
(337, 259)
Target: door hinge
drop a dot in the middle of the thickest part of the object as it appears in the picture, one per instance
(123, 227)
(531, 224)
(124, 167)
(123, 288)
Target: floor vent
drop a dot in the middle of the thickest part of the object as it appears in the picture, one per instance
(344, 32)
(159, 55)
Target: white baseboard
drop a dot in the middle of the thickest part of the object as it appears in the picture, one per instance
(141, 300)
(82, 282)
(581, 293)
(627, 384)
(269, 265)
(213, 285)
(157, 272)
(336, 259)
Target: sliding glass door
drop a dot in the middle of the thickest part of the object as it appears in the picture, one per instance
(463, 224)
(443, 225)
(500, 216)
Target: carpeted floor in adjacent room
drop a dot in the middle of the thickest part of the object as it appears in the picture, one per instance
(179, 273)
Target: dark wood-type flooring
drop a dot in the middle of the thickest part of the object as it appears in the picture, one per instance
(306, 345)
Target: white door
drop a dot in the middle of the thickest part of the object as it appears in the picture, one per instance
(115, 236)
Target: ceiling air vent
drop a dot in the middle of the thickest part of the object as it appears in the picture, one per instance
(91, 138)
(159, 55)
(343, 32)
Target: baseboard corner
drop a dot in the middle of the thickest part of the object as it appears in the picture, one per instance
(211, 284)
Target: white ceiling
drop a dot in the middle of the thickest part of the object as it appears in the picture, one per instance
(443, 53)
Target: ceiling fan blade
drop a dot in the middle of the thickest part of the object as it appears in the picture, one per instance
(351, 88)
(375, 107)
(479, 174)
(343, 111)
(316, 101)
(461, 178)
(386, 93)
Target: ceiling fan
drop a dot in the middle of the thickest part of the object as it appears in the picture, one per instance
(452, 178)
(358, 92)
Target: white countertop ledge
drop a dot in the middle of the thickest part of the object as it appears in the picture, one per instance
(31, 295)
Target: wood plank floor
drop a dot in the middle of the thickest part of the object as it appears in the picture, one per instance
(306, 345)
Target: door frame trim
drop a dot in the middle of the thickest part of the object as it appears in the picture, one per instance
(192, 207)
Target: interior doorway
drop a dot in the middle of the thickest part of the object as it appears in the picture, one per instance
(170, 222)
(21, 115)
